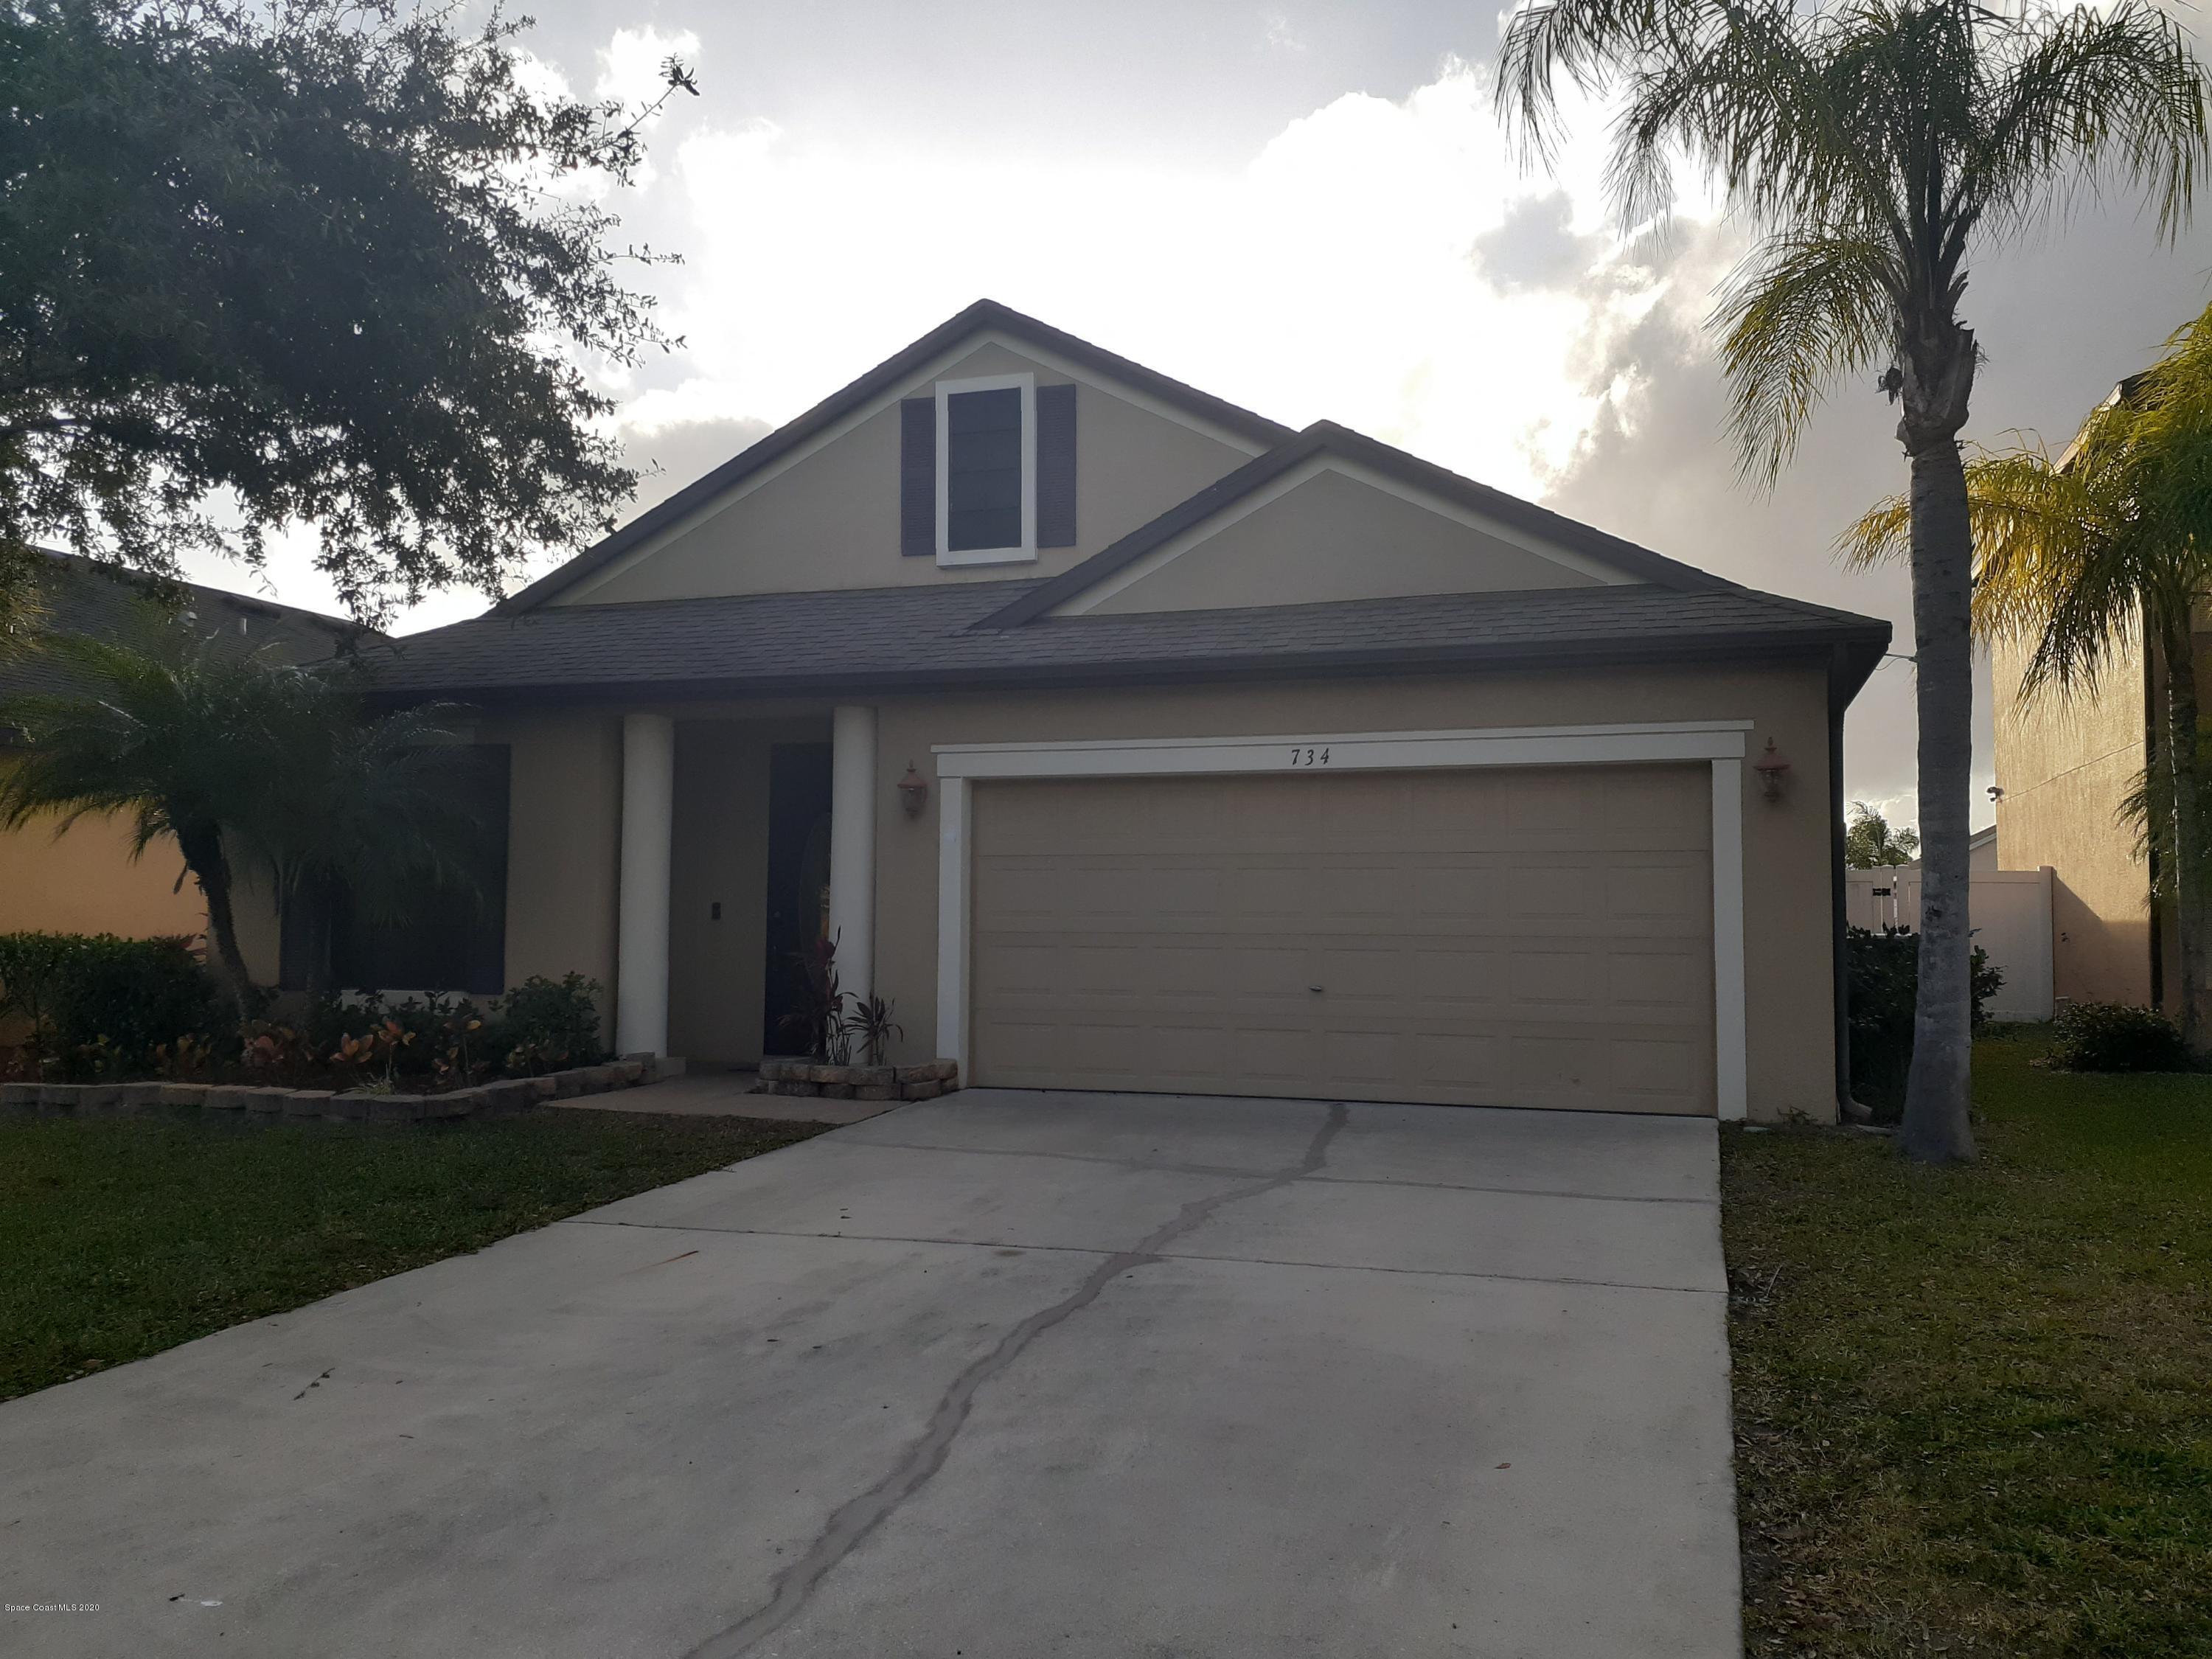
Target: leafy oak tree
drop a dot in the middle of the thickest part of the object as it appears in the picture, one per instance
(267, 262)
(1872, 148)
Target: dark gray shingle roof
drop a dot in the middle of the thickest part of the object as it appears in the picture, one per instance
(889, 639)
(80, 596)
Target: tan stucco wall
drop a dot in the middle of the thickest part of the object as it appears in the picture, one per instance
(831, 520)
(84, 880)
(564, 842)
(1790, 1010)
(2063, 766)
(1332, 536)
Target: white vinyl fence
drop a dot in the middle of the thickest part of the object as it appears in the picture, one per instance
(2010, 913)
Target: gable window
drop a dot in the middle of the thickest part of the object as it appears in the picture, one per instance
(983, 470)
(986, 470)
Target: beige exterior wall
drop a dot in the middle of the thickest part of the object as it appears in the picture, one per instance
(831, 519)
(1788, 942)
(564, 842)
(1331, 535)
(2064, 766)
(84, 880)
(567, 783)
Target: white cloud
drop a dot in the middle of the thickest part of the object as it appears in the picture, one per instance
(1336, 274)
(1348, 269)
(630, 64)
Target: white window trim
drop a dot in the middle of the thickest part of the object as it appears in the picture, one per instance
(1027, 552)
(1721, 742)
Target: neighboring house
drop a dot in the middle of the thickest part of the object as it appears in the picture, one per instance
(83, 879)
(2063, 767)
(1126, 739)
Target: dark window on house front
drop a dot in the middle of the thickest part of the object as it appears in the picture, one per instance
(435, 937)
(983, 470)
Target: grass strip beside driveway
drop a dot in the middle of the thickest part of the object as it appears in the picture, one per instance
(1974, 1406)
(123, 1236)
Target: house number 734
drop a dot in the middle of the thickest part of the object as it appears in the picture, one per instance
(1309, 756)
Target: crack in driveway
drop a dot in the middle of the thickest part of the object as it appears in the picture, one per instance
(859, 1516)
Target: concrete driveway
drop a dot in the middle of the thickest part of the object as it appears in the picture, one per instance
(999, 1377)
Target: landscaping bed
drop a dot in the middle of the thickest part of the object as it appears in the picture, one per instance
(258, 1103)
(126, 1235)
(1974, 1406)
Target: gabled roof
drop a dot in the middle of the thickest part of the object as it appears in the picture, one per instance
(1328, 438)
(984, 315)
(927, 638)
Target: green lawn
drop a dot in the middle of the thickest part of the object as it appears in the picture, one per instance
(1974, 1406)
(122, 1237)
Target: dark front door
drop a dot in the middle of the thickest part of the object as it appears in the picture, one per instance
(798, 878)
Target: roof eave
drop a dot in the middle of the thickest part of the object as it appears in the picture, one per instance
(1733, 647)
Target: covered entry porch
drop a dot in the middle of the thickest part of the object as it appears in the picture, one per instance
(684, 855)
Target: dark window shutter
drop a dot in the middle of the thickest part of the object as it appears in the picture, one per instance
(1055, 448)
(918, 477)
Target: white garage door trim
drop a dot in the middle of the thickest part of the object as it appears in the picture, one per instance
(1722, 743)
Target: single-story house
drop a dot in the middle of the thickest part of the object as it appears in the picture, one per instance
(1125, 739)
(83, 879)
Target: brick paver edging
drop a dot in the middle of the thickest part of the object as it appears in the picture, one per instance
(480, 1100)
(805, 1079)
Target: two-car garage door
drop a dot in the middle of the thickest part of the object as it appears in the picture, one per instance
(1503, 936)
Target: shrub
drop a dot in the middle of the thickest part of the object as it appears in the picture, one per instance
(100, 1005)
(1884, 974)
(2117, 1036)
(546, 1024)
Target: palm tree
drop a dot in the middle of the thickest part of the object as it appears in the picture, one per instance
(240, 758)
(1870, 844)
(1872, 146)
(2072, 556)
(169, 731)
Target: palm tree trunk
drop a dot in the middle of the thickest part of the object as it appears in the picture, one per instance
(2190, 906)
(1937, 361)
(203, 857)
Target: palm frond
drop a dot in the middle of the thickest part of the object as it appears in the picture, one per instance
(1587, 43)
(1882, 535)
(2146, 813)
(1867, 142)
(2095, 94)
(1799, 314)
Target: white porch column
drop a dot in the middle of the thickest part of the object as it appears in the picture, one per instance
(853, 846)
(648, 817)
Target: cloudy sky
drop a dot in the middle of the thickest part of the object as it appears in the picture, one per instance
(1307, 208)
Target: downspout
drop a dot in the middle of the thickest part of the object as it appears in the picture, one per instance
(1848, 1110)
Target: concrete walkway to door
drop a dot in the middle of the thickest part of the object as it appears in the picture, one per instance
(1002, 1375)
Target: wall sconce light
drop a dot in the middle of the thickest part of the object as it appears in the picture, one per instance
(1771, 770)
(913, 791)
